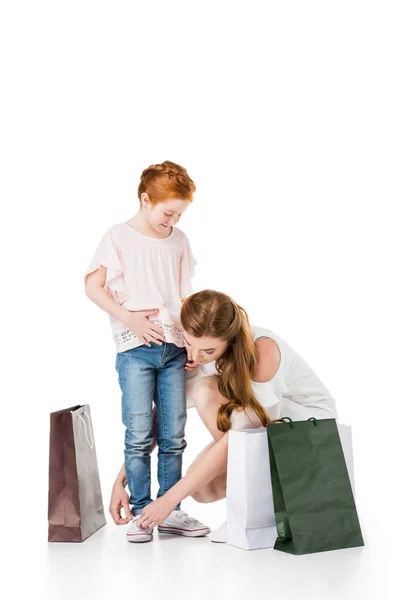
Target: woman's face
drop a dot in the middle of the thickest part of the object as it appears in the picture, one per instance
(204, 349)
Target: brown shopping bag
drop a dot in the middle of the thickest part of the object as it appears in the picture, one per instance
(75, 502)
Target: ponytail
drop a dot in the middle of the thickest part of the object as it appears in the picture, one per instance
(236, 368)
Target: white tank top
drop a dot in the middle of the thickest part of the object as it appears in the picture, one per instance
(295, 391)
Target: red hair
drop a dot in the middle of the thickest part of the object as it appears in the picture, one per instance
(166, 181)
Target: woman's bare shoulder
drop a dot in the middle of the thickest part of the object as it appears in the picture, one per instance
(268, 359)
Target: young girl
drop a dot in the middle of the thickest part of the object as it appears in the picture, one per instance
(140, 275)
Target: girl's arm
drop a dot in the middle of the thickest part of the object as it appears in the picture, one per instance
(94, 289)
(135, 321)
(205, 469)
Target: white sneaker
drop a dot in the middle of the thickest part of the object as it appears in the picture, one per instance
(219, 535)
(138, 534)
(180, 523)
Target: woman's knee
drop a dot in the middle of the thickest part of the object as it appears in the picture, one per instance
(201, 498)
(208, 496)
(206, 392)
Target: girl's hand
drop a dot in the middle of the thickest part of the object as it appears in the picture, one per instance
(156, 512)
(145, 330)
(119, 499)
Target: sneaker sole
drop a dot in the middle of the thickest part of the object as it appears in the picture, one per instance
(184, 532)
(133, 538)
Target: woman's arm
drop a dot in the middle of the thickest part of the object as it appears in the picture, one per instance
(205, 469)
(120, 499)
(121, 477)
(268, 362)
(268, 359)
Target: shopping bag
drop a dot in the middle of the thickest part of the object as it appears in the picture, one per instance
(314, 504)
(250, 508)
(75, 508)
(249, 501)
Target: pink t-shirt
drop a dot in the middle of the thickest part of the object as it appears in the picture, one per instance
(145, 273)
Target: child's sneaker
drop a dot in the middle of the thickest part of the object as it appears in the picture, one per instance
(138, 534)
(180, 523)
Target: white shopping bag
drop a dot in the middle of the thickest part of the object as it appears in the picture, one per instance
(347, 446)
(250, 505)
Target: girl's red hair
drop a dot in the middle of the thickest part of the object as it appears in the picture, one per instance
(166, 181)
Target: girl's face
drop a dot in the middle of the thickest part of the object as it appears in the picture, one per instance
(164, 215)
(204, 349)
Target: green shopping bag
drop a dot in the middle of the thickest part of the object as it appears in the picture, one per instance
(313, 501)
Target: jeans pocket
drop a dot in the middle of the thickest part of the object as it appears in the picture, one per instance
(140, 422)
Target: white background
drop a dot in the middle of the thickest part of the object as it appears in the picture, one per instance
(286, 115)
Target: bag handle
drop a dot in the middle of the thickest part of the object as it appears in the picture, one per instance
(90, 444)
(284, 419)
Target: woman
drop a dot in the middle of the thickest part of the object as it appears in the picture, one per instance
(248, 378)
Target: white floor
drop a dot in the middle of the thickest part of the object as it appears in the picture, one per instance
(106, 566)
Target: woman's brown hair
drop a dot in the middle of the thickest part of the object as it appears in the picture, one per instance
(214, 314)
(166, 181)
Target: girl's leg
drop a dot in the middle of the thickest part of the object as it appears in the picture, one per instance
(154, 444)
(136, 376)
(171, 416)
(207, 400)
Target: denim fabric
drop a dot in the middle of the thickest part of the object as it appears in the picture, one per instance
(146, 375)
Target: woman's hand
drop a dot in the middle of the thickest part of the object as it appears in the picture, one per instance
(147, 331)
(119, 499)
(156, 512)
(190, 364)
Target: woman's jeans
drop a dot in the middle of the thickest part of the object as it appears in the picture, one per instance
(146, 375)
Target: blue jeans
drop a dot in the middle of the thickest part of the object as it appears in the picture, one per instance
(147, 374)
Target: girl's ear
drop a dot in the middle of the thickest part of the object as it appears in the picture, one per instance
(145, 201)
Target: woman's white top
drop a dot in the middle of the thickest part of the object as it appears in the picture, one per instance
(295, 391)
